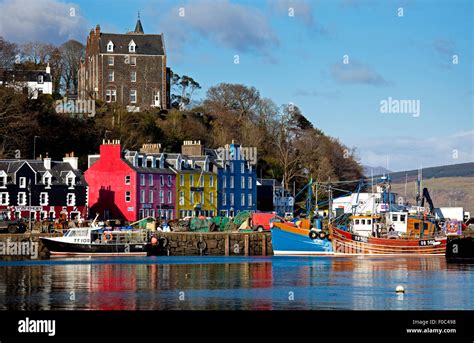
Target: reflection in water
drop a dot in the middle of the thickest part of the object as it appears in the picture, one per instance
(224, 283)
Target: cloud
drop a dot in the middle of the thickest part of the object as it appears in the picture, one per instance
(48, 21)
(237, 27)
(356, 72)
(406, 153)
(317, 94)
(445, 49)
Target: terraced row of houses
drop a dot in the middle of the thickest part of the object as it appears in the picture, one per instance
(131, 185)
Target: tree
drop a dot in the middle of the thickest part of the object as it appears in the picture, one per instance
(8, 54)
(184, 86)
(37, 53)
(71, 52)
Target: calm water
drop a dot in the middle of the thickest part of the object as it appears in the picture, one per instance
(227, 283)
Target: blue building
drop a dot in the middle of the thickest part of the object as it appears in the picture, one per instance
(236, 179)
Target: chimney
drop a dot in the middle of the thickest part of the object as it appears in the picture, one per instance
(47, 162)
(192, 148)
(73, 161)
(151, 148)
(110, 149)
(97, 30)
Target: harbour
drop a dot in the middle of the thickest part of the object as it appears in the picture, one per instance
(243, 283)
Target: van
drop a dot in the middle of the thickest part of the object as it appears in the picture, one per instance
(263, 221)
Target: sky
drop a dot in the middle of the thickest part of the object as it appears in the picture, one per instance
(346, 64)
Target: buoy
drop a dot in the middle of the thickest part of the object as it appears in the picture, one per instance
(154, 241)
(400, 289)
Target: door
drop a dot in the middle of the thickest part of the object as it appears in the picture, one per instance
(156, 99)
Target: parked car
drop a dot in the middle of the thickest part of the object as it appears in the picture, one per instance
(11, 226)
(263, 221)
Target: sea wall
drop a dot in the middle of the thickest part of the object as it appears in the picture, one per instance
(215, 243)
(23, 246)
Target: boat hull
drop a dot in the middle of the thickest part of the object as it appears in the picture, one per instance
(347, 243)
(58, 248)
(460, 250)
(291, 243)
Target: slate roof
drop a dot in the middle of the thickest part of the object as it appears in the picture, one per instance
(146, 44)
(24, 75)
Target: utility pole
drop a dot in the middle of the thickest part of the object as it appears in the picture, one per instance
(34, 146)
(29, 204)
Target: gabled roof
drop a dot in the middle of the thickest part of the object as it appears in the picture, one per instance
(150, 44)
(23, 75)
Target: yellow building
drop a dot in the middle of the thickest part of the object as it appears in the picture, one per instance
(196, 184)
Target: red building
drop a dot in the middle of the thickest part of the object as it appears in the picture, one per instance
(130, 185)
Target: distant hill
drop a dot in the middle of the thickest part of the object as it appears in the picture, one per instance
(452, 170)
(369, 171)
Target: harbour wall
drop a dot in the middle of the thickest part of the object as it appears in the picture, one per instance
(28, 245)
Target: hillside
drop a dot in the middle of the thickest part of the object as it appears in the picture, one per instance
(445, 191)
(452, 170)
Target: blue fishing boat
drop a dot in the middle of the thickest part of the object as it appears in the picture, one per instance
(292, 240)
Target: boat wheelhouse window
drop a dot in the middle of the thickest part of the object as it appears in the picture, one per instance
(356, 222)
(362, 221)
(394, 217)
(402, 218)
(369, 222)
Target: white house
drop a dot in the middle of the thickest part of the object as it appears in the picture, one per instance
(34, 82)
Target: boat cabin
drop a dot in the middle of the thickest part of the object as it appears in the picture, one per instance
(364, 225)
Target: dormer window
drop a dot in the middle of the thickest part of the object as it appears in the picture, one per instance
(40, 79)
(47, 179)
(110, 46)
(70, 180)
(3, 179)
(131, 46)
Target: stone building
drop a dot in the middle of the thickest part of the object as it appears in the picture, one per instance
(127, 69)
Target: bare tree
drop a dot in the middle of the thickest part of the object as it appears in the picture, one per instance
(72, 52)
(8, 54)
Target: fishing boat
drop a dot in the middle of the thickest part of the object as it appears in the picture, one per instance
(98, 241)
(460, 249)
(290, 239)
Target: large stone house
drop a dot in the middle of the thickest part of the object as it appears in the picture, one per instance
(127, 69)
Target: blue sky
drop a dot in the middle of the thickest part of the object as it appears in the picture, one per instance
(299, 59)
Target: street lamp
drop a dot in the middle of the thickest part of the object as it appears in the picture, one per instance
(34, 146)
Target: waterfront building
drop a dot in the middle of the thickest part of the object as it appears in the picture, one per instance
(196, 183)
(236, 180)
(273, 197)
(127, 69)
(44, 188)
(131, 185)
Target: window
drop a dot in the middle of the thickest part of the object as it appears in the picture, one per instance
(111, 76)
(142, 179)
(47, 181)
(181, 180)
(402, 218)
(356, 221)
(40, 79)
(170, 197)
(70, 180)
(231, 167)
(110, 46)
(110, 95)
(249, 202)
(22, 182)
(181, 198)
(211, 181)
(242, 168)
(394, 217)
(140, 215)
(111, 60)
(231, 199)
(242, 200)
(242, 182)
(150, 179)
(369, 222)
(128, 196)
(127, 179)
(224, 199)
(231, 182)
(191, 180)
(162, 197)
(191, 197)
(202, 198)
(133, 76)
(142, 196)
(71, 199)
(150, 196)
(362, 221)
(202, 181)
(4, 198)
(131, 46)
(133, 61)
(43, 199)
(224, 181)
(133, 96)
(162, 180)
(169, 180)
(211, 198)
(3, 181)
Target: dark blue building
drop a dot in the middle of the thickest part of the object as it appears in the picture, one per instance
(236, 180)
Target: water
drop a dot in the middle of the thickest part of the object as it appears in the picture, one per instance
(236, 283)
